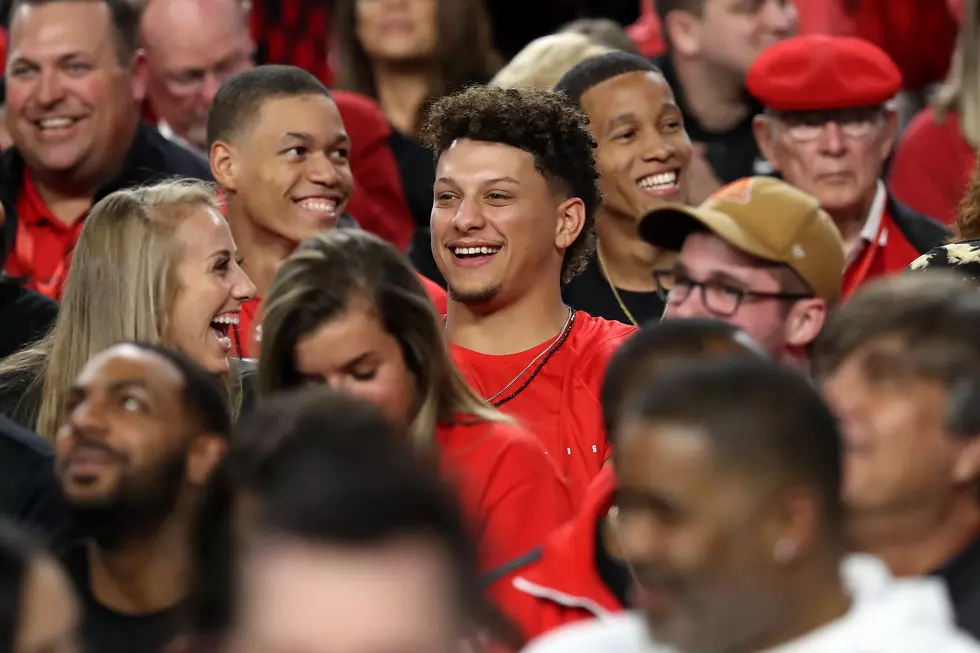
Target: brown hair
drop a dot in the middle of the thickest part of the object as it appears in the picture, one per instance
(332, 272)
(464, 54)
(968, 211)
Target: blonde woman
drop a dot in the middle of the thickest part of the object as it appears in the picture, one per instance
(154, 264)
(545, 60)
(937, 153)
(347, 310)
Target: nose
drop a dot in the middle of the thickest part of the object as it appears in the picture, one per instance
(50, 90)
(691, 306)
(641, 538)
(322, 170)
(656, 147)
(211, 85)
(780, 16)
(468, 216)
(832, 140)
(88, 419)
(243, 290)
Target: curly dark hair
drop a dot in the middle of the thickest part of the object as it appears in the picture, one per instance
(542, 123)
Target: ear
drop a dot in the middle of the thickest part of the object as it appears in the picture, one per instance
(683, 30)
(804, 321)
(224, 165)
(793, 527)
(206, 451)
(889, 132)
(966, 467)
(765, 138)
(571, 221)
(140, 72)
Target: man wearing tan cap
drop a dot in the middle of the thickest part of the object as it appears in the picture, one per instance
(759, 254)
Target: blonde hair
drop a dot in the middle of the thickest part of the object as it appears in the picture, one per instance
(120, 287)
(961, 90)
(545, 60)
(332, 272)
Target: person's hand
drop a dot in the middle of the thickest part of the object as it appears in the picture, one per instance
(702, 182)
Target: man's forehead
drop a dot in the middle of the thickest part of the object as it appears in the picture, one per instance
(480, 161)
(707, 249)
(130, 364)
(62, 26)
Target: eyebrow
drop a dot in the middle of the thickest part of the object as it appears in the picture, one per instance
(306, 137)
(489, 182)
(622, 118)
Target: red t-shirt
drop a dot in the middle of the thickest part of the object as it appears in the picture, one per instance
(932, 166)
(245, 339)
(561, 584)
(43, 245)
(511, 490)
(561, 405)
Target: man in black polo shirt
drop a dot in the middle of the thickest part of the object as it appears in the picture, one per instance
(710, 46)
(75, 80)
(900, 365)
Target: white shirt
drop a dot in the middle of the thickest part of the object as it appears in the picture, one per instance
(871, 225)
(887, 615)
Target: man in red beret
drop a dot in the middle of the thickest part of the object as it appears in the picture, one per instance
(828, 129)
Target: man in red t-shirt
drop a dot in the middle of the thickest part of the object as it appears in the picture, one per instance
(513, 218)
(279, 150)
(828, 129)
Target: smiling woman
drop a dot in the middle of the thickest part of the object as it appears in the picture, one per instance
(155, 264)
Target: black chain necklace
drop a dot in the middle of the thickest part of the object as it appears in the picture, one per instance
(551, 352)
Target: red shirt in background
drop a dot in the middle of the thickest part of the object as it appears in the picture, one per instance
(562, 585)
(561, 405)
(245, 338)
(43, 246)
(511, 490)
(378, 201)
(294, 33)
(932, 166)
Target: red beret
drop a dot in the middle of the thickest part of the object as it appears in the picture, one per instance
(817, 72)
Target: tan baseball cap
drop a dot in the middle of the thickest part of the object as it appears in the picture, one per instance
(764, 217)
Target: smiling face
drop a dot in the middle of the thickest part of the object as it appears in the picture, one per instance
(644, 150)
(898, 455)
(497, 223)
(70, 101)
(211, 290)
(123, 444)
(693, 530)
(289, 170)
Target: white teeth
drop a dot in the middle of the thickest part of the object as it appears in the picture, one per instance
(322, 206)
(56, 123)
(228, 318)
(662, 181)
(225, 341)
(463, 251)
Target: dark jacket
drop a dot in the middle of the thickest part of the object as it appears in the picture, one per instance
(922, 232)
(151, 158)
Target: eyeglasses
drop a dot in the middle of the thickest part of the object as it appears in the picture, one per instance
(855, 124)
(720, 298)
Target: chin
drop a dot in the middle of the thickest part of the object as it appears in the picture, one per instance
(473, 295)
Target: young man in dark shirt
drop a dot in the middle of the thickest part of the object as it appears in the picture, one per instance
(710, 46)
(143, 430)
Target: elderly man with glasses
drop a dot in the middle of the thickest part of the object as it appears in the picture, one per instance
(828, 129)
(759, 254)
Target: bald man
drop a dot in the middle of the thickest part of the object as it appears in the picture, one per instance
(192, 47)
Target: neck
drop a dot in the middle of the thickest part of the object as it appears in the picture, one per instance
(915, 543)
(531, 320)
(850, 222)
(401, 89)
(145, 575)
(714, 96)
(822, 599)
(261, 250)
(627, 261)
